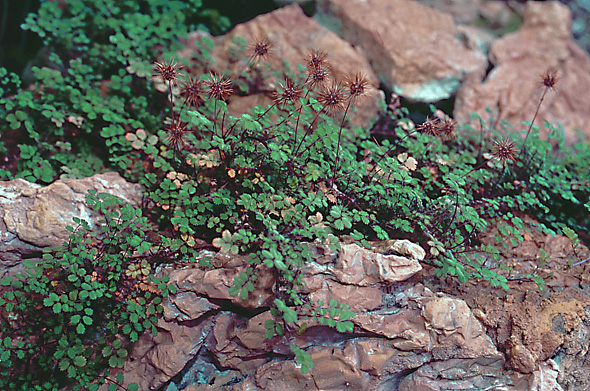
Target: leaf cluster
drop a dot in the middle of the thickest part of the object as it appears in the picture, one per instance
(74, 314)
(91, 86)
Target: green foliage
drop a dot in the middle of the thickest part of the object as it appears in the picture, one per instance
(75, 313)
(275, 179)
(92, 88)
(266, 184)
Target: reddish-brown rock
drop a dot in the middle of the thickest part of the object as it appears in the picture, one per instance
(215, 283)
(513, 88)
(292, 48)
(414, 49)
(363, 267)
(33, 217)
(155, 360)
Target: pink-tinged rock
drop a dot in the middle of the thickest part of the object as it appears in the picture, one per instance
(215, 283)
(252, 335)
(186, 306)
(452, 324)
(363, 267)
(514, 87)
(402, 247)
(462, 11)
(374, 355)
(294, 35)
(458, 374)
(155, 360)
(230, 351)
(406, 328)
(359, 298)
(281, 375)
(33, 217)
(545, 378)
(414, 49)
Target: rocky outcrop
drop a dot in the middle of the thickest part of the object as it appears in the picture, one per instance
(513, 88)
(405, 337)
(413, 49)
(290, 47)
(33, 217)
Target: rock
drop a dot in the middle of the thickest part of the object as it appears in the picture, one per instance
(214, 283)
(412, 346)
(406, 328)
(289, 48)
(513, 89)
(229, 350)
(362, 267)
(458, 374)
(33, 217)
(402, 247)
(359, 298)
(545, 378)
(463, 11)
(187, 306)
(412, 48)
(155, 360)
(405, 337)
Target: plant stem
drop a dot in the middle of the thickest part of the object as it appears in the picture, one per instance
(338, 146)
(533, 121)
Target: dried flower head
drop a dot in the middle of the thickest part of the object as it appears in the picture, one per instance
(446, 129)
(550, 79)
(192, 92)
(260, 49)
(167, 71)
(431, 126)
(316, 60)
(317, 77)
(333, 98)
(504, 149)
(176, 131)
(357, 86)
(291, 92)
(219, 87)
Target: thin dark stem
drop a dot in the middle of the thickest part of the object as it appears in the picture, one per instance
(581, 262)
(171, 99)
(215, 118)
(300, 110)
(338, 146)
(533, 121)
(454, 213)
(308, 130)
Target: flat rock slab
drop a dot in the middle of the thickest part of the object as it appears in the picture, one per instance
(33, 217)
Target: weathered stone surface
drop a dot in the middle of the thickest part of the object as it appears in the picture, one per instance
(229, 350)
(457, 374)
(359, 298)
(187, 306)
(279, 26)
(412, 48)
(33, 217)
(402, 247)
(363, 267)
(513, 88)
(406, 328)
(215, 283)
(463, 11)
(155, 360)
